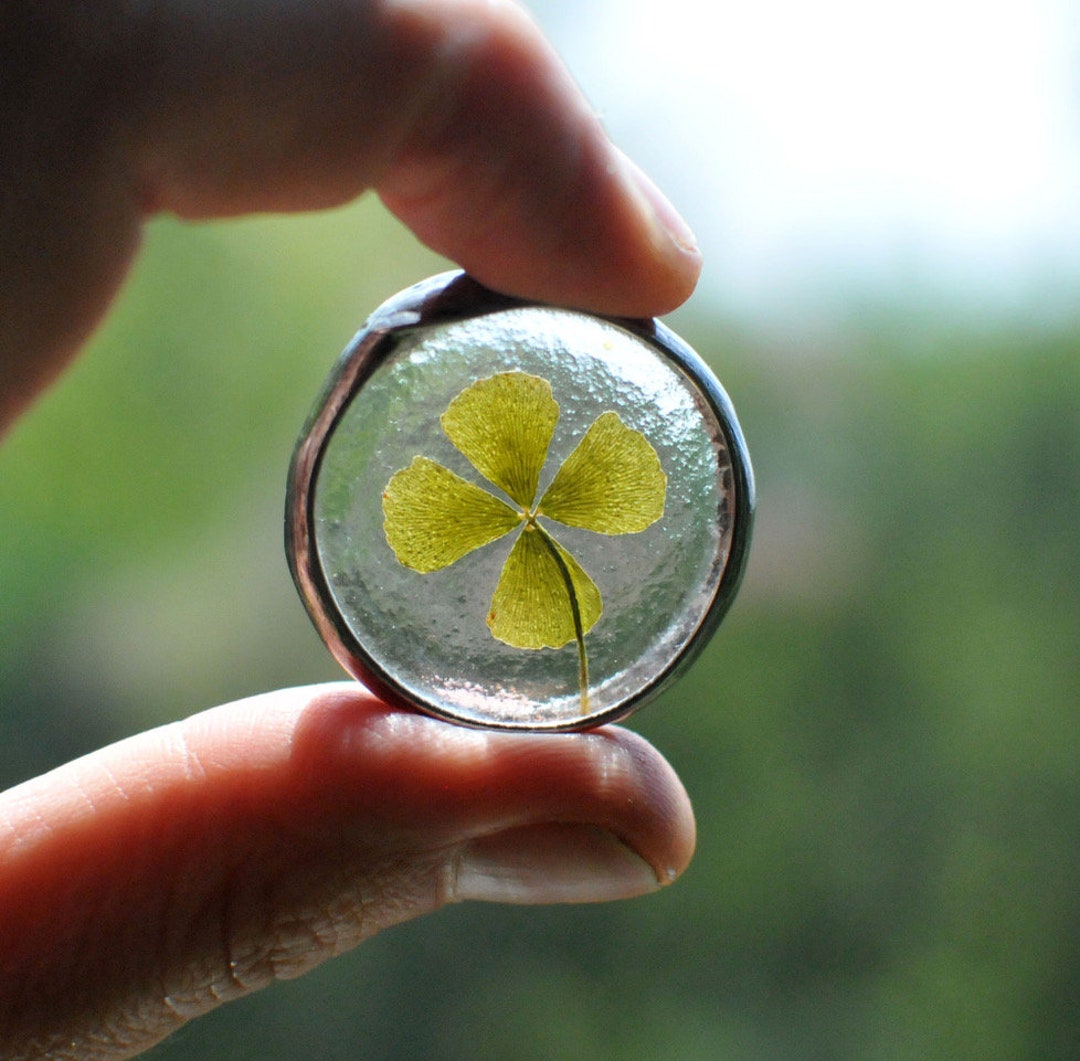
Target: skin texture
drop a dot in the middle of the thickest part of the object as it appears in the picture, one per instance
(150, 881)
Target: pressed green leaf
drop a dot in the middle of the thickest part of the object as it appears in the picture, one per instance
(432, 517)
(503, 425)
(612, 482)
(532, 607)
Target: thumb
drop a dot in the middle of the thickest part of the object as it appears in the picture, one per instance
(184, 867)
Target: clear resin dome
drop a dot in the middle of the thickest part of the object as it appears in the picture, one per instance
(517, 516)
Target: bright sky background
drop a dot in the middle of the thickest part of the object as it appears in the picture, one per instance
(929, 146)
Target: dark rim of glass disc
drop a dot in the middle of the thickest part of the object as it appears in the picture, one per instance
(444, 299)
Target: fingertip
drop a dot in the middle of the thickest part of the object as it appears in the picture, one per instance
(674, 248)
(664, 831)
(437, 786)
(513, 177)
(636, 835)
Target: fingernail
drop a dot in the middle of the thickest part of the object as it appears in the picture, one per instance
(665, 218)
(551, 864)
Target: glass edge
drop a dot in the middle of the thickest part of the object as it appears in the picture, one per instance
(444, 298)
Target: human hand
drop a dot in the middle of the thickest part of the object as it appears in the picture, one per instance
(180, 868)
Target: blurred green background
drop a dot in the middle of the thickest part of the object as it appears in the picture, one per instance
(881, 743)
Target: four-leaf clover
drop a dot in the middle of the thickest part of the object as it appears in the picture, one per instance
(612, 483)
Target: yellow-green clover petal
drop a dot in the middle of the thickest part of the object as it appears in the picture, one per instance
(432, 517)
(532, 605)
(503, 425)
(612, 482)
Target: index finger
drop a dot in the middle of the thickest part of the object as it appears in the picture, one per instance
(457, 112)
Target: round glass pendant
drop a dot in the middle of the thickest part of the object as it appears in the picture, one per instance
(517, 516)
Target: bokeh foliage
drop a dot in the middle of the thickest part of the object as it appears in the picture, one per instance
(881, 744)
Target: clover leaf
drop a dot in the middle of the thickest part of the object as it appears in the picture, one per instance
(612, 483)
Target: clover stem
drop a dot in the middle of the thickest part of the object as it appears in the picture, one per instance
(575, 611)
